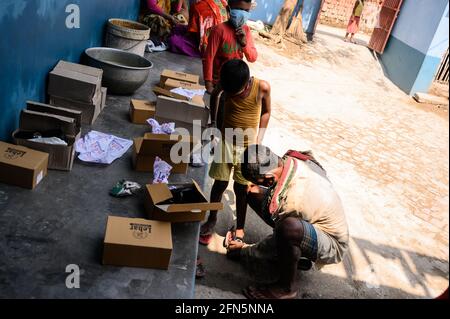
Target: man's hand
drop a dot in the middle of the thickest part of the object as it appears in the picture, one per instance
(241, 37)
(235, 245)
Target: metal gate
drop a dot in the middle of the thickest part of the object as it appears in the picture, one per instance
(442, 73)
(388, 15)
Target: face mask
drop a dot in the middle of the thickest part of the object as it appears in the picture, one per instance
(238, 17)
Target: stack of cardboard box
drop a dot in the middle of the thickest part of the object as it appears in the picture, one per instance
(78, 87)
(173, 107)
(39, 119)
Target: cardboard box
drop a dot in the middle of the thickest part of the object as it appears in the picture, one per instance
(46, 108)
(81, 68)
(183, 113)
(161, 144)
(137, 242)
(171, 84)
(21, 166)
(73, 85)
(60, 156)
(176, 75)
(90, 111)
(40, 121)
(161, 91)
(141, 111)
(161, 203)
(104, 95)
(144, 163)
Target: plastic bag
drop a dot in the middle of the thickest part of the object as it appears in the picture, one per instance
(124, 188)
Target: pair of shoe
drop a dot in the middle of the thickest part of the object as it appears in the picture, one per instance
(152, 47)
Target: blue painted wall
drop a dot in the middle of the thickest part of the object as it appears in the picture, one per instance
(267, 11)
(417, 43)
(34, 38)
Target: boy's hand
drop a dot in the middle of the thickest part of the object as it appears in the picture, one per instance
(253, 189)
(209, 87)
(241, 37)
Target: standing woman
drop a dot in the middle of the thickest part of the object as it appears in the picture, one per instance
(353, 24)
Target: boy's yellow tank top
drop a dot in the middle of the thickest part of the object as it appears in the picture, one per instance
(244, 113)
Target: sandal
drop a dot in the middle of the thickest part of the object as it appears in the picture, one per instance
(232, 233)
(205, 239)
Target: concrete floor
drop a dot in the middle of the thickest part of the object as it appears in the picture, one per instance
(63, 221)
(387, 157)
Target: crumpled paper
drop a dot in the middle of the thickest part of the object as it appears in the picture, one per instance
(165, 128)
(188, 93)
(101, 148)
(161, 171)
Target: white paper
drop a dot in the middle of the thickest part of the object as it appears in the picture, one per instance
(188, 93)
(49, 140)
(101, 148)
(164, 128)
(161, 171)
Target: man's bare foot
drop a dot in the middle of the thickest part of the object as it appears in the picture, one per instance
(272, 292)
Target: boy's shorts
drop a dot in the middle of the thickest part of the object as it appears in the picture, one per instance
(230, 159)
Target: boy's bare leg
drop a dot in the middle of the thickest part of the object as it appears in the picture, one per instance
(217, 191)
(240, 191)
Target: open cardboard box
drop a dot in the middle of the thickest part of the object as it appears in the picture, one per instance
(21, 166)
(137, 242)
(161, 144)
(144, 163)
(171, 84)
(60, 156)
(164, 204)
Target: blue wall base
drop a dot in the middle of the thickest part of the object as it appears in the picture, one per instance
(411, 70)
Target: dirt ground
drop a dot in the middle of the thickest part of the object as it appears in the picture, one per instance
(387, 156)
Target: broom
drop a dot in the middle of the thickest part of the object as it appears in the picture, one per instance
(295, 30)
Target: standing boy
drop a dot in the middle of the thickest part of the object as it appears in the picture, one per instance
(247, 107)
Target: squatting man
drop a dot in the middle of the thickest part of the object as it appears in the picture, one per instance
(294, 196)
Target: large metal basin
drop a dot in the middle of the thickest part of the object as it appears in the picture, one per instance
(123, 72)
